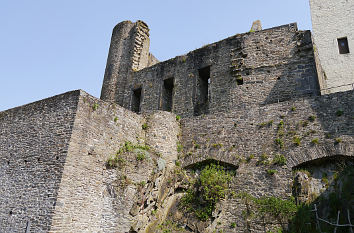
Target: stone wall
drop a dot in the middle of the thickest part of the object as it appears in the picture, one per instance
(65, 142)
(253, 130)
(84, 202)
(255, 68)
(251, 138)
(34, 143)
(332, 20)
(91, 197)
(54, 171)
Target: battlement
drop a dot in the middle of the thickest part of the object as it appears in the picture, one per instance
(254, 68)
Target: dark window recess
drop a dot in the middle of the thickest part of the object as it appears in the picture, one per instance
(136, 99)
(343, 45)
(167, 94)
(239, 80)
(202, 92)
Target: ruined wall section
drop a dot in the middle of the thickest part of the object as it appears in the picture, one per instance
(247, 138)
(34, 141)
(94, 197)
(254, 130)
(274, 65)
(255, 68)
(141, 55)
(129, 50)
(85, 198)
(152, 60)
(118, 62)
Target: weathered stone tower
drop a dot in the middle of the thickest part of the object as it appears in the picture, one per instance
(333, 23)
(129, 51)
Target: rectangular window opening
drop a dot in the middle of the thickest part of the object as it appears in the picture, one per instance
(343, 45)
(202, 92)
(136, 100)
(167, 94)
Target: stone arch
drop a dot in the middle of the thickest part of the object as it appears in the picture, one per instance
(295, 159)
(326, 159)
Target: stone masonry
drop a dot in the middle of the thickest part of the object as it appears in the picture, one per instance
(239, 102)
(258, 68)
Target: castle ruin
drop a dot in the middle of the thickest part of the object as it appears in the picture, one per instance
(263, 104)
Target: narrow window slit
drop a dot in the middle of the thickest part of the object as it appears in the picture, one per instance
(202, 98)
(136, 100)
(167, 94)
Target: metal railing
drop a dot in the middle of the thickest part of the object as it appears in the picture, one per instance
(336, 225)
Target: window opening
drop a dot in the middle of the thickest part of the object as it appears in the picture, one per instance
(167, 94)
(202, 98)
(136, 100)
(343, 45)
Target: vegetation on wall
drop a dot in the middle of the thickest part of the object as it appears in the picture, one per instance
(204, 192)
(128, 146)
(285, 211)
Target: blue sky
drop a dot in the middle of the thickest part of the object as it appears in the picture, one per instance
(50, 47)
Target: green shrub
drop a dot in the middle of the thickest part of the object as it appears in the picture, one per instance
(339, 112)
(272, 206)
(217, 145)
(271, 172)
(279, 159)
(196, 146)
(142, 183)
(263, 159)
(337, 140)
(325, 181)
(115, 119)
(305, 123)
(179, 147)
(281, 124)
(178, 118)
(279, 142)
(249, 158)
(115, 161)
(297, 140)
(140, 156)
(127, 147)
(239, 79)
(233, 225)
(312, 118)
(293, 108)
(267, 123)
(95, 106)
(210, 187)
(276, 207)
(315, 141)
(144, 126)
